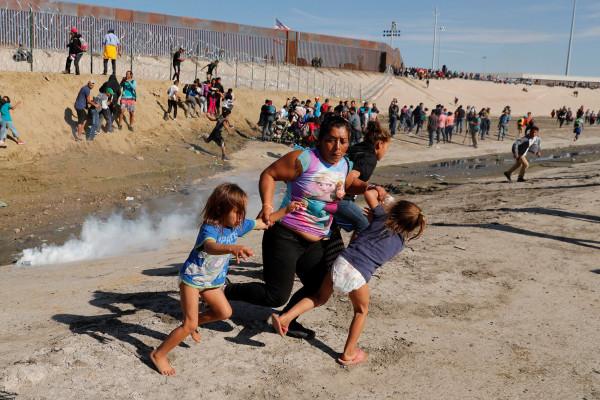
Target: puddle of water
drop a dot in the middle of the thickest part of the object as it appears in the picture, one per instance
(458, 171)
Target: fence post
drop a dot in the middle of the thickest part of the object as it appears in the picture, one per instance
(298, 80)
(277, 89)
(251, 72)
(131, 44)
(91, 44)
(31, 39)
(360, 93)
(266, 66)
(289, 75)
(197, 60)
(236, 72)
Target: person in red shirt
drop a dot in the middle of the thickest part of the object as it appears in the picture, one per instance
(325, 107)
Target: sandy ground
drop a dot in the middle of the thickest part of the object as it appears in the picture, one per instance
(498, 300)
(511, 312)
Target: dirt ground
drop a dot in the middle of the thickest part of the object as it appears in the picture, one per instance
(498, 300)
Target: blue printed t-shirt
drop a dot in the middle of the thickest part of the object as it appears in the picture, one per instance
(206, 271)
(5, 112)
(129, 88)
(374, 246)
(81, 102)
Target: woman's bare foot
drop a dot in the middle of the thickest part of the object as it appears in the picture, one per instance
(162, 364)
(195, 336)
(278, 325)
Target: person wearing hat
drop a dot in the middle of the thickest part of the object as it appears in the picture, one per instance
(112, 49)
(178, 58)
(75, 51)
(105, 99)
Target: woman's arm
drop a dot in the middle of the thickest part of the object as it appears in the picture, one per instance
(209, 117)
(287, 168)
(371, 197)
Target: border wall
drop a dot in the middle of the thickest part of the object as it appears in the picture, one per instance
(44, 25)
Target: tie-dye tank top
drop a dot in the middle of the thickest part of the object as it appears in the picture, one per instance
(316, 188)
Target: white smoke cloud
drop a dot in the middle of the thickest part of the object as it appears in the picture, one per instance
(114, 236)
(101, 238)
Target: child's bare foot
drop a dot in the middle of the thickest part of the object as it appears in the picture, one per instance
(359, 357)
(162, 364)
(278, 326)
(195, 336)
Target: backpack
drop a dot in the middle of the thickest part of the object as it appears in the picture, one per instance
(83, 44)
(186, 88)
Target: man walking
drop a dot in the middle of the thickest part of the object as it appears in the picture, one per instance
(84, 98)
(393, 116)
(432, 125)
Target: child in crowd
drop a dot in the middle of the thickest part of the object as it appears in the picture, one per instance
(577, 128)
(217, 133)
(381, 241)
(6, 121)
(203, 273)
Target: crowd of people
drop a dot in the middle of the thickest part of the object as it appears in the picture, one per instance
(113, 100)
(298, 121)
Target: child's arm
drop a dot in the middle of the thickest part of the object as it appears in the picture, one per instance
(277, 215)
(372, 198)
(238, 251)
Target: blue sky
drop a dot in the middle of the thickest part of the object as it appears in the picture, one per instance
(513, 36)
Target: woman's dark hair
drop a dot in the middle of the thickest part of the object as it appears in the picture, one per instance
(404, 218)
(5, 99)
(331, 122)
(225, 197)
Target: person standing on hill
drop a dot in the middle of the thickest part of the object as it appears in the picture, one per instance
(76, 51)
(172, 100)
(114, 107)
(6, 121)
(178, 58)
(112, 49)
(210, 69)
(520, 148)
(84, 99)
(128, 99)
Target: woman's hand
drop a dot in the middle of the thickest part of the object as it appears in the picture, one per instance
(265, 214)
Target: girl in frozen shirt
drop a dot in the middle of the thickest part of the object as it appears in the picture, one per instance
(374, 246)
(203, 273)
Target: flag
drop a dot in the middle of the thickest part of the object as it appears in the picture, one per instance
(281, 25)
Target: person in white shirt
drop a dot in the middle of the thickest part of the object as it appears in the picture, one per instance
(112, 49)
(173, 99)
(520, 148)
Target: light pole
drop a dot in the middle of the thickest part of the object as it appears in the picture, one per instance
(441, 29)
(571, 39)
(483, 64)
(392, 33)
(435, 21)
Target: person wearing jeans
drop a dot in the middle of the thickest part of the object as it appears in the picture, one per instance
(432, 125)
(75, 51)
(520, 148)
(94, 123)
(6, 121)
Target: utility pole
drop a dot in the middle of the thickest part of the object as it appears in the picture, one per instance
(435, 28)
(571, 39)
(439, 44)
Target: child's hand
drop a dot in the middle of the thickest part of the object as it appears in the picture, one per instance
(294, 206)
(241, 253)
(340, 192)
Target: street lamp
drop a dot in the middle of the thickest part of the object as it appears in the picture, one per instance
(571, 38)
(483, 64)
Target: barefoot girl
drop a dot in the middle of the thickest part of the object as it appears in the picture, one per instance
(378, 243)
(203, 274)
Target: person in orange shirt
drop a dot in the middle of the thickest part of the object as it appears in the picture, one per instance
(449, 126)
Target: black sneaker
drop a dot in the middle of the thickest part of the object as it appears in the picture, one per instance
(296, 330)
(507, 175)
(521, 179)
